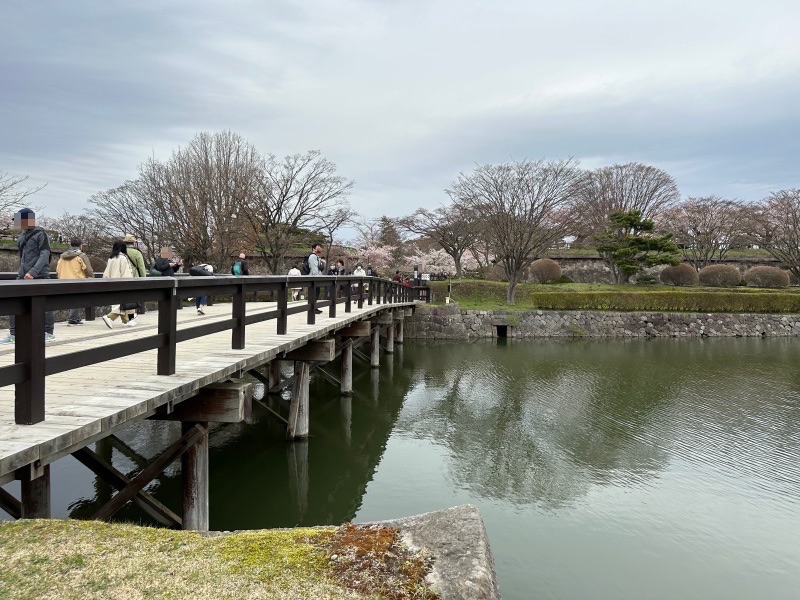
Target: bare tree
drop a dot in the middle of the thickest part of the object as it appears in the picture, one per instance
(130, 208)
(704, 229)
(87, 227)
(201, 192)
(333, 222)
(523, 207)
(450, 227)
(775, 227)
(13, 191)
(622, 188)
(300, 192)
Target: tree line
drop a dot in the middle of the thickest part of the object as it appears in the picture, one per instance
(218, 196)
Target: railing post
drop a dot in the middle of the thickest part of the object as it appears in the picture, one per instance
(312, 303)
(371, 292)
(168, 327)
(283, 308)
(361, 293)
(348, 297)
(378, 288)
(239, 304)
(29, 350)
(332, 298)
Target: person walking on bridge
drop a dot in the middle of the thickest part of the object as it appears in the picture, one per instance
(74, 264)
(118, 266)
(34, 263)
(136, 259)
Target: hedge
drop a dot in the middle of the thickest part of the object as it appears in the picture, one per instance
(492, 295)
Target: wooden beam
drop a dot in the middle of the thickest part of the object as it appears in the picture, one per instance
(108, 473)
(359, 329)
(224, 402)
(408, 311)
(318, 351)
(398, 315)
(383, 319)
(360, 354)
(327, 376)
(10, 504)
(138, 483)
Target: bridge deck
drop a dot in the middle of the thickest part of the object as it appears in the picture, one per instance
(86, 404)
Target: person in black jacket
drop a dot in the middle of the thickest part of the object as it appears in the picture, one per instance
(167, 264)
(34, 263)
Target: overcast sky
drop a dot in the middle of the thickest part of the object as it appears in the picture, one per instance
(403, 94)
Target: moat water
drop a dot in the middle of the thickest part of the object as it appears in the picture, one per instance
(602, 469)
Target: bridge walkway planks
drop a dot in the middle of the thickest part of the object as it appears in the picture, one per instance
(88, 403)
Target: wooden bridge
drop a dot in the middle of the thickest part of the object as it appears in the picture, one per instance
(58, 398)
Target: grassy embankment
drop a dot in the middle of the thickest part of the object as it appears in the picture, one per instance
(491, 295)
(91, 559)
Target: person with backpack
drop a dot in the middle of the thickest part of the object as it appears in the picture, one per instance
(74, 264)
(316, 266)
(240, 266)
(34, 263)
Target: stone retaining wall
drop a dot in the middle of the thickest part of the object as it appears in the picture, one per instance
(450, 322)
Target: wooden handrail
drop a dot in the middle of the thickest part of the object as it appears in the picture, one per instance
(30, 299)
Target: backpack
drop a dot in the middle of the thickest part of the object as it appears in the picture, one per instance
(236, 269)
(306, 268)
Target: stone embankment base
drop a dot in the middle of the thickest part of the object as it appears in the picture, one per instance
(450, 322)
(463, 567)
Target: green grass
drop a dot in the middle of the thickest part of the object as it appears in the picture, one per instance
(491, 295)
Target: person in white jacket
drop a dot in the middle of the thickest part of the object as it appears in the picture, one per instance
(119, 266)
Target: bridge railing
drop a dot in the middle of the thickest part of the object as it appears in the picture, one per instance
(29, 300)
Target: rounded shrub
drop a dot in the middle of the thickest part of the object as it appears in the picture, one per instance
(545, 270)
(681, 275)
(766, 277)
(720, 276)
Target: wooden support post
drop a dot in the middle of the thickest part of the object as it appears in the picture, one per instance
(29, 351)
(346, 409)
(390, 339)
(399, 337)
(35, 502)
(298, 409)
(194, 469)
(375, 355)
(298, 475)
(347, 370)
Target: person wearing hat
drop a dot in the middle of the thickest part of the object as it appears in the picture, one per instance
(135, 256)
(137, 264)
(34, 263)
